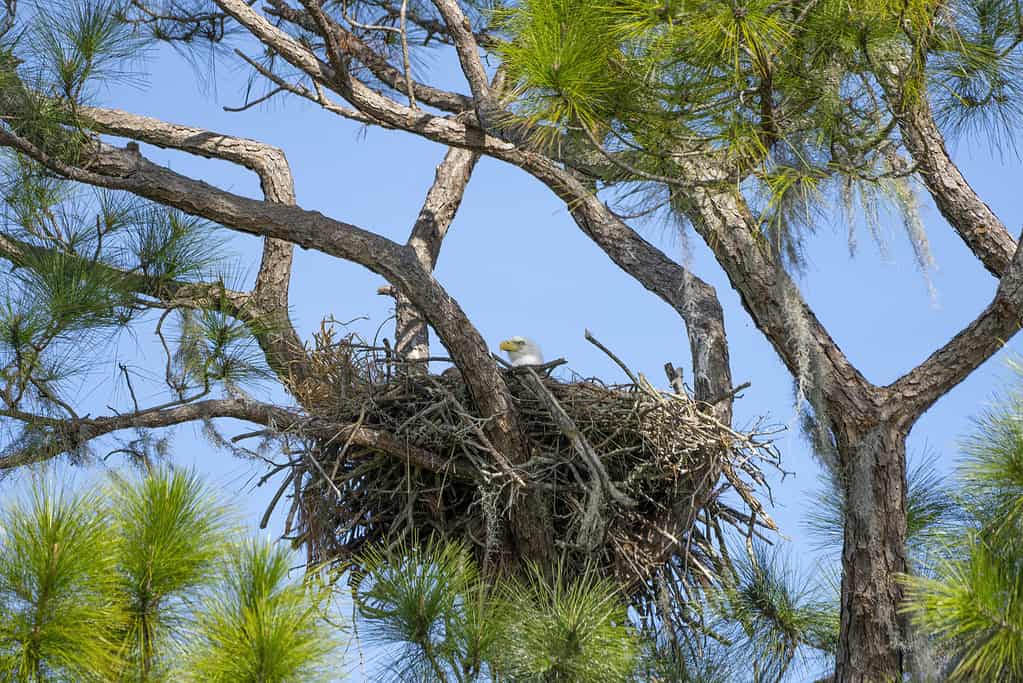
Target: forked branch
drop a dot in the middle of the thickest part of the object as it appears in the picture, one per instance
(276, 334)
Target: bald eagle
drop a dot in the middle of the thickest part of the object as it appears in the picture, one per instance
(522, 351)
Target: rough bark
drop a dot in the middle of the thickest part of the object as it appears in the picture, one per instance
(412, 340)
(872, 646)
(695, 300)
(460, 30)
(960, 205)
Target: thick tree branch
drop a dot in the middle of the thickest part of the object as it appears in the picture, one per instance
(767, 291)
(441, 205)
(468, 50)
(916, 391)
(267, 161)
(692, 298)
(70, 435)
(130, 171)
(960, 205)
(982, 231)
(775, 303)
(438, 210)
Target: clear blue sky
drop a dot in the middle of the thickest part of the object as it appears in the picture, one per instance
(519, 265)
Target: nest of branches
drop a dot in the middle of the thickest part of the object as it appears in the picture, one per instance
(639, 481)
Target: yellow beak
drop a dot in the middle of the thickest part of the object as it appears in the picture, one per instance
(509, 345)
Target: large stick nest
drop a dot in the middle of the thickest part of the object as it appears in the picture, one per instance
(637, 479)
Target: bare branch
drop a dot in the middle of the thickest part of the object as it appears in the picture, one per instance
(693, 298)
(435, 216)
(917, 390)
(450, 132)
(71, 435)
(572, 433)
(280, 341)
(468, 50)
(610, 354)
(317, 97)
(378, 65)
(441, 205)
(406, 60)
(7, 19)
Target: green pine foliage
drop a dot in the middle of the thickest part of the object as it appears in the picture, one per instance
(562, 630)
(142, 586)
(783, 90)
(992, 473)
(971, 604)
(77, 43)
(214, 346)
(430, 607)
(137, 582)
(258, 624)
(426, 606)
(975, 66)
(972, 609)
(82, 257)
(569, 72)
(784, 620)
(59, 607)
(170, 538)
(53, 61)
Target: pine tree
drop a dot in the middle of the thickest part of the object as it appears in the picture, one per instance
(739, 119)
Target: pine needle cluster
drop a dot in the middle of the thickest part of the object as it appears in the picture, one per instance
(138, 581)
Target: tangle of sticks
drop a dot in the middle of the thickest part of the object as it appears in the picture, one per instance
(640, 480)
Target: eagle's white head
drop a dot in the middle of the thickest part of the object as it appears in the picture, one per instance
(522, 351)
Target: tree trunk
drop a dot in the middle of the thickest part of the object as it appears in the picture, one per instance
(873, 637)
